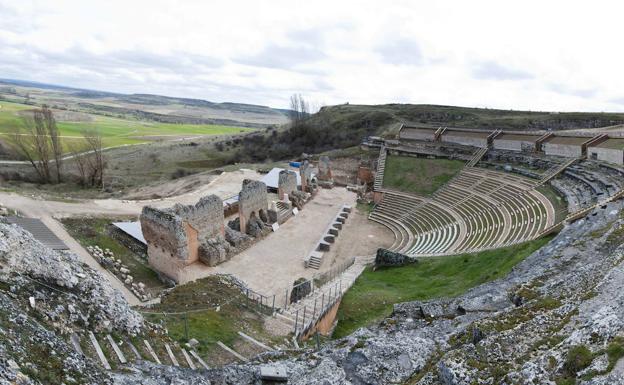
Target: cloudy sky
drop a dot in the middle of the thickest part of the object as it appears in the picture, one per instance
(538, 55)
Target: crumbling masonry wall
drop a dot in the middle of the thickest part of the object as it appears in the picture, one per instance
(252, 203)
(287, 183)
(306, 177)
(324, 167)
(174, 235)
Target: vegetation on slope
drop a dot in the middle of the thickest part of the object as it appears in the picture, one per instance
(210, 310)
(421, 176)
(345, 125)
(95, 231)
(114, 131)
(371, 298)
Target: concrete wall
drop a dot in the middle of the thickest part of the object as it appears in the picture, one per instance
(251, 199)
(417, 134)
(464, 140)
(558, 149)
(325, 325)
(286, 183)
(514, 145)
(610, 155)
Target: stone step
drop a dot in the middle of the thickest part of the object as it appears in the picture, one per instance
(135, 351)
(118, 352)
(172, 357)
(188, 359)
(254, 341)
(99, 351)
(199, 359)
(75, 340)
(152, 352)
(231, 351)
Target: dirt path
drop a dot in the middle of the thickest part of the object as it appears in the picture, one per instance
(225, 185)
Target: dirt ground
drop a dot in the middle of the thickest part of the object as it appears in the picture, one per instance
(271, 265)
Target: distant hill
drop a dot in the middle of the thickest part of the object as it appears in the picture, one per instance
(141, 106)
(348, 115)
(342, 126)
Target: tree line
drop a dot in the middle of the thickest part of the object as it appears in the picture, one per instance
(39, 141)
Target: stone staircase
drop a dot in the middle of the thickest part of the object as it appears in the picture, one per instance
(477, 157)
(315, 260)
(556, 171)
(381, 165)
(112, 353)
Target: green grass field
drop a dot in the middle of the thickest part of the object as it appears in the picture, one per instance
(371, 298)
(115, 131)
(420, 176)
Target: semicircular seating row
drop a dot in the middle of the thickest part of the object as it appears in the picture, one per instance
(479, 209)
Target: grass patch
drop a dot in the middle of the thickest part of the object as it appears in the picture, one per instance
(421, 176)
(95, 232)
(371, 298)
(559, 203)
(216, 310)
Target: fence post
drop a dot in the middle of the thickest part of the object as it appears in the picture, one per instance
(296, 321)
(186, 326)
(314, 311)
(322, 302)
(286, 300)
(329, 300)
(303, 322)
(273, 306)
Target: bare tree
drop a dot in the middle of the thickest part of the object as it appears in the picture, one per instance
(299, 109)
(79, 158)
(40, 143)
(95, 160)
(55, 140)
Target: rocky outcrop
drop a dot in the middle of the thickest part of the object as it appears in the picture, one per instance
(44, 297)
(23, 259)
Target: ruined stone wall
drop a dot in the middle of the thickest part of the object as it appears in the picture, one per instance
(465, 140)
(417, 134)
(324, 168)
(206, 216)
(306, 176)
(174, 235)
(251, 200)
(164, 230)
(287, 183)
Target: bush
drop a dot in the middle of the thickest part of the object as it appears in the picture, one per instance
(180, 173)
(579, 357)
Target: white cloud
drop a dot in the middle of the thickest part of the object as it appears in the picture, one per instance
(556, 55)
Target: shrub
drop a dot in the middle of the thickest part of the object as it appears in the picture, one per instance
(579, 357)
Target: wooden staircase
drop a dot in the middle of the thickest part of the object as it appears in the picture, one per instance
(381, 166)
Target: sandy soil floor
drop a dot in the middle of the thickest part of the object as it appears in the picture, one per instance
(275, 262)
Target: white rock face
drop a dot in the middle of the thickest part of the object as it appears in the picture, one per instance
(21, 254)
